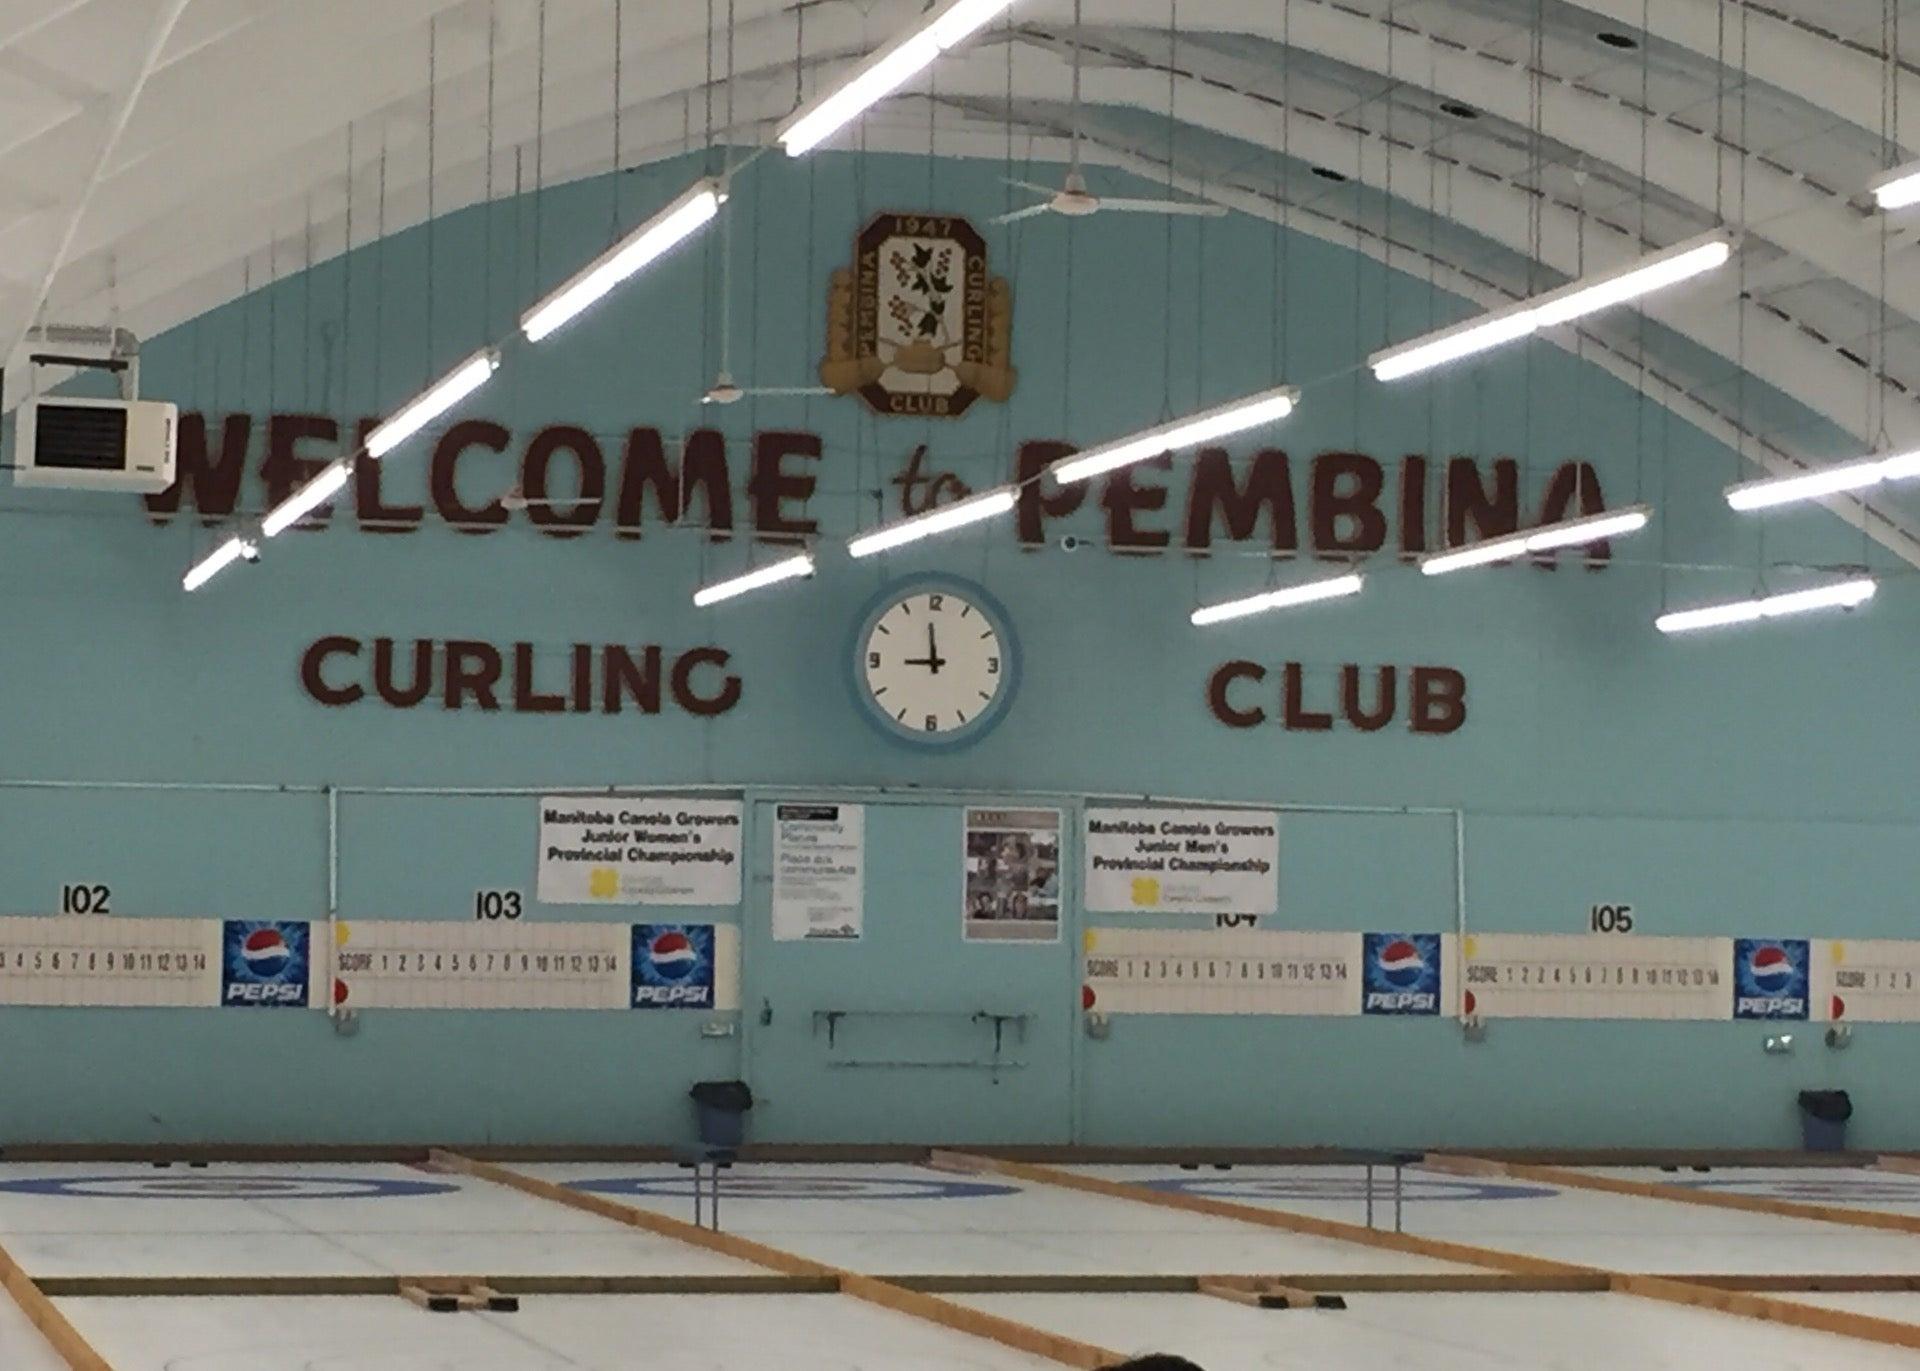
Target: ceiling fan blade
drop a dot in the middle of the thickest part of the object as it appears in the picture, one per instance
(788, 390)
(1036, 188)
(1026, 213)
(1163, 207)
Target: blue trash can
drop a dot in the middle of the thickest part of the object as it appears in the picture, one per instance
(1823, 1119)
(720, 1107)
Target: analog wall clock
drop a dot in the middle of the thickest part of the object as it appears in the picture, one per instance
(935, 662)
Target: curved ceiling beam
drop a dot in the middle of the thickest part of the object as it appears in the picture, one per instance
(1770, 454)
(1805, 64)
(1808, 221)
(1778, 354)
(1772, 350)
(174, 197)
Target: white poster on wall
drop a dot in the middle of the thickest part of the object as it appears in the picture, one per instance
(1182, 861)
(639, 850)
(819, 871)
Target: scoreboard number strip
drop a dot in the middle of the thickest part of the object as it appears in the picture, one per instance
(1221, 971)
(439, 964)
(1595, 976)
(79, 959)
(1866, 980)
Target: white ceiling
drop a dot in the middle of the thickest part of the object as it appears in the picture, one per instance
(156, 156)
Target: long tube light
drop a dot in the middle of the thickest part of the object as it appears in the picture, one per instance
(1285, 598)
(1569, 533)
(790, 569)
(216, 562)
(432, 403)
(1575, 300)
(1844, 595)
(1267, 407)
(1898, 188)
(1785, 490)
(680, 220)
(973, 510)
(888, 69)
(305, 500)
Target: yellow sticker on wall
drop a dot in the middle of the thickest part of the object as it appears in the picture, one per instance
(340, 934)
(603, 883)
(1146, 892)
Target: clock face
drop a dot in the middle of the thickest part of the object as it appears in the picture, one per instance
(935, 664)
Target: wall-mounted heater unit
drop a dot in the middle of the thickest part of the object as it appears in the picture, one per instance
(75, 443)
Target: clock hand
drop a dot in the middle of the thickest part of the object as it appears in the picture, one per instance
(934, 660)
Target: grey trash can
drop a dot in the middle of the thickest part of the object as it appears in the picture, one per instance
(721, 1109)
(1823, 1119)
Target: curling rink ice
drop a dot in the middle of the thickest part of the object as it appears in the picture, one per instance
(913, 1220)
(1587, 1227)
(73, 1220)
(317, 1220)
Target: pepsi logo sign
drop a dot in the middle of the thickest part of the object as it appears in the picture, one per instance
(1400, 973)
(264, 964)
(673, 966)
(1770, 978)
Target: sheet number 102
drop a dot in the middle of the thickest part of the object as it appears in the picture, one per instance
(496, 904)
(1610, 918)
(87, 897)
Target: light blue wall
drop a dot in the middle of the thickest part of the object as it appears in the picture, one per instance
(1757, 783)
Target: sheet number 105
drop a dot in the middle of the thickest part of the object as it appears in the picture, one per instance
(1610, 918)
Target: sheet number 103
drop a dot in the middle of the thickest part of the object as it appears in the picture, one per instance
(496, 904)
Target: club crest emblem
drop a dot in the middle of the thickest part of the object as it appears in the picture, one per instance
(918, 326)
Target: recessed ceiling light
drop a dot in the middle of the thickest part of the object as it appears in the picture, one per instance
(1329, 174)
(1623, 41)
(1458, 110)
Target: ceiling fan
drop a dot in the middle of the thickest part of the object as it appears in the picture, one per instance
(1072, 199)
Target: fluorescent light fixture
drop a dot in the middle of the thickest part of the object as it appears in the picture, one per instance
(1575, 300)
(434, 402)
(647, 244)
(790, 569)
(216, 562)
(1570, 533)
(1785, 490)
(305, 500)
(888, 69)
(1898, 188)
(1268, 407)
(1845, 595)
(973, 510)
(1286, 598)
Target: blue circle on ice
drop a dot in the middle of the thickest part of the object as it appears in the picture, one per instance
(1817, 1189)
(214, 1186)
(1343, 1187)
(745, 1185)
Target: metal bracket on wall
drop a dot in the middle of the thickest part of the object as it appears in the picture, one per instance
(832, 1019)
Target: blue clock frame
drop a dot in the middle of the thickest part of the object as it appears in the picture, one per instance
(988, 719)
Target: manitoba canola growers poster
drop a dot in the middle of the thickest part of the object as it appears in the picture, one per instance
(1182, 861)
(655, 849)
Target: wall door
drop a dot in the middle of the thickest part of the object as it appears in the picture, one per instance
(914, 1032)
